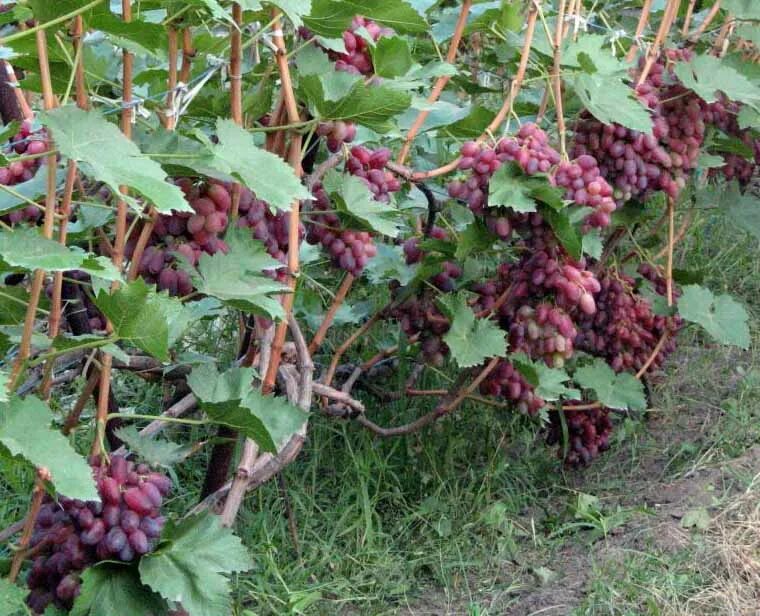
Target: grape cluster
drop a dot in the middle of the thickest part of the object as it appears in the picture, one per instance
(357, 59)
(271, 228)
(723, 115)
(544, 332)
(369, 165)
(636, 163)
(336, 133)
(349, 250)
(70, 535)
(25, 143)
(505, 381)
(589, 432)
(419, 316)
(585, 186)
(185, 235)
(625, 330)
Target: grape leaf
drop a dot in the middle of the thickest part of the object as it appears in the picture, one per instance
(153, 451)
(591, 53)
(230, 399)
(191, 565)
(707, 75)
(266, 174)
(369, 105)
(391, 57)
(25, 431)
(593, 246)
(139, 316)
(17, 195)
(389, 264)
(12, 599)
(748, 117)
(616, 391)
(566, 233)
(471, 340)
(13, 302)
(236, 280)
(294, 9)
(353, 198)
(742, 9)
(26, 248)
(721, 316)
(743, 209)
(139, 36)
(610, 101)
(473, 239)
(109, 589)
(508, 188)
(4, 384)
(331, 17)
(105, 154)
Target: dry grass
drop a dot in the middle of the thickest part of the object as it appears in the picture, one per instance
(732, 561)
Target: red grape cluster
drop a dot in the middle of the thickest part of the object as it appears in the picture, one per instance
(723, 115)
(356, 39)
(589, 431)
(369, 165)
(505, 381)
(419, 316)
(585, 186)
(25, 143)
(336, 133)
(349, 250)
(636, 163)
(186, 235)
(624, 329)
(70, 535)
(544, 332)
(271, 228)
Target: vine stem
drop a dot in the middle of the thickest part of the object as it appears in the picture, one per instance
(188, 54)
(47, 227)
(337, 302)
(236, 89)
(557, 79)
(54, 322)
(643, 21)
(501, 115)
(348, 343)
(38, 493)
(440, 83)
(687, 17)
(448, 404)
(678, 237)
(719, 48)
(671, 11)
(121, 235)
(653, 355)
(700, 30)
(243, 475)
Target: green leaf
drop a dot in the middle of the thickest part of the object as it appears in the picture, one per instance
(616, 391)
(331, 17)
(5, 381)
(473, 125)
(474, 239)
(742, 9)
(472, 340)
(109, 589)
(593, 246)
(748, 117)
(744, 210)
(105, 154)
(236, 280)
(610, 101)
(13, 302)
(507, 187)
(153, 451)
(370, 105)
(549, 383)
(229, 399)
(138, 316)
(138, 35)
(26, 248)
(697, 518)
(266, 174)
(389, 264)
(722, 316)
(391, 57)
(31, 190)
(12, 599)
(352, 197)
(191, 567)
(25, 431)
(566, 233)
(707, 75)
(593, 54)
(296, 10)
